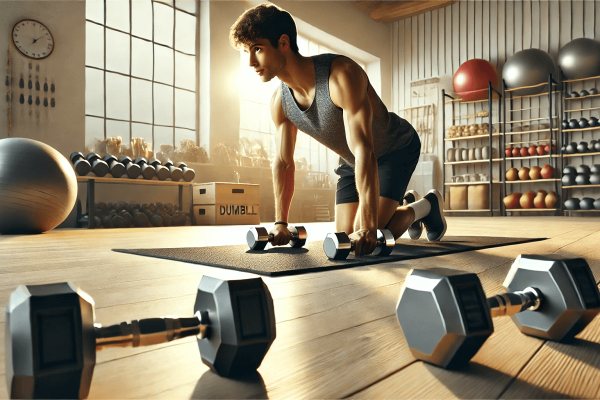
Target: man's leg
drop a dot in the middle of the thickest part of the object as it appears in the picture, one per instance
(345, 215)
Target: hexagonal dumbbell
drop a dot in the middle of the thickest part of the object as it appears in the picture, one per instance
(116, 169)
(99, 167)
(337, 246)
(162, 172)
(446, 317)
(51, 338)
(258, 237)
(132, 169)
(80, 164)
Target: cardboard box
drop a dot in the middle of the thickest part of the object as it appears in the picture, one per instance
(227, 214)
(478, 197)
(225, 193)
(458, 197)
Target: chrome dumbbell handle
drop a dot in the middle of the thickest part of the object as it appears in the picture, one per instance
(515, 302)
(150, 331)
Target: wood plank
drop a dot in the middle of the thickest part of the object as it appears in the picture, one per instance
(407, 61)
(597, 22)
(435, 36)
(441, 64)
(566, 33)
(470, 22)
(396, 90)
(589, 14)
(423, 37)
(401, 64)
(518, 27)
(555, 24)
(501, 36)
(387, 12)
(431, 53)
(415, 49)
(449, 42)
(456, 39)
(526, 23)
(510, 29)
(577, 19)
(464, 33)
(485, 18)
(535, 24)
(544, 20)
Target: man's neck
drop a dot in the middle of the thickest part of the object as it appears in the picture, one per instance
(299, 74)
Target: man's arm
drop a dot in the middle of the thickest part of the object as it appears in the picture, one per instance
(283, 163)
(348, 89)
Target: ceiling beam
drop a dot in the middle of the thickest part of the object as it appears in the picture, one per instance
(390, 11)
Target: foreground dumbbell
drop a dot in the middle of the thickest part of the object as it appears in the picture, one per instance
(51, 338)
(132, 169)
(337, 246)
(258, 237)
(148, 171)
(80, 164)
(99, 167)
(446, 317)
(115, 167)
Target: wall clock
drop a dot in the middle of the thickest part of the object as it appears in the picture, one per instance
(32, 39)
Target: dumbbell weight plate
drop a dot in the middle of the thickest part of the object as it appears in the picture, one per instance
(241, 322)
(384, 236)
(298, 236)
(337, 246)
(257, 238)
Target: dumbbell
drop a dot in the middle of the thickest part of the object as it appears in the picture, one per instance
(99, 167)
(132, 169)
(127, 218)
(446, 317)
(337, 246)
(140, 219)
(148, 171)
(115, 167)
(162, 172)
(80, 164)
(176, 173)
(188, 173)
(258, 237)
(52, 339)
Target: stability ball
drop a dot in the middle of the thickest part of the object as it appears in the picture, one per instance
(580, 58)
(528, 68)
(38, 187)
(471, 79)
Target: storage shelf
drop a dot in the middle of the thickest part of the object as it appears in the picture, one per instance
(534, 131)
(581, 186)
(470, 183)
(532, 157)
(533, 95)
(530, 120)
(473, 211)
(581, 211)
(138, 181)
(459, 100)
(582, 154)
(594, 128)
(582, 97)
(472, 162)
(582, 79)
(530, 209)
(472, 137)
(535, 181)
(584, 109)
(532, 141)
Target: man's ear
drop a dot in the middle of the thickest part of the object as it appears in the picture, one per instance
(284, 42)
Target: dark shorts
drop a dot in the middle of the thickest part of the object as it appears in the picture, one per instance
(395, 170)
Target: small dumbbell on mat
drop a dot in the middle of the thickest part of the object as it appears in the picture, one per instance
(132, 169)
(99, 167)
(115, 168)
(446, 317)
(80, 164)
(258, 237)
(52, 339)
(337, 246)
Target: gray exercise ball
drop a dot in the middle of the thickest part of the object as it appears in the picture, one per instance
(580, 58)
(528, 68)
(38, 186)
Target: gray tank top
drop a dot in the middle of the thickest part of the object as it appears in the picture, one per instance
(324, 121)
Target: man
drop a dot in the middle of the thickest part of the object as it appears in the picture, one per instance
(329, 97)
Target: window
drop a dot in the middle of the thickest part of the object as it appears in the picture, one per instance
(256, 125)
(140, 77)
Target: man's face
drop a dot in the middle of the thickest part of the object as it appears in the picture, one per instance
(266, 60)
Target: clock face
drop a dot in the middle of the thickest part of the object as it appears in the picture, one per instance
(32, 39)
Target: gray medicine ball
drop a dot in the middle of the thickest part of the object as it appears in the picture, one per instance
(528, 68)
(580, 58)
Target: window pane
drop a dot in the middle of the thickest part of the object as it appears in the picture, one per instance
(265, 119)
(185, 33)
(163, 64)
(144, 133)
(141, 58)
(249, 116)
(163, 105)
(141, 18)
(117, 51)
(186, 5)
(117, 96)
(163, 24)
(117, 14)
(184, 134)
(94, 45)
(169, 2)
(185, 71)
(94, 92)
(94, 10)
(117, 129)
(185, 109)
(162, 136)
(141, 100)
(94, 131)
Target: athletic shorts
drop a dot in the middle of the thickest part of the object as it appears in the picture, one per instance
(395, 170)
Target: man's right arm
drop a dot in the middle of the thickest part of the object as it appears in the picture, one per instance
(283, 163)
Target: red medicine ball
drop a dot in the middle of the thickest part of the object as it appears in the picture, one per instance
(471, 79)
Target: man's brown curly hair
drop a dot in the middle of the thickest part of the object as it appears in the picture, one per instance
(265, 21)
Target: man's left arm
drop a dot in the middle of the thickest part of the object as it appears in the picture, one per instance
(349, 91)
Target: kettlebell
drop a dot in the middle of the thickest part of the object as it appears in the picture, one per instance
(582, 147)
(573, 124)
(583, 123)
(572, 204)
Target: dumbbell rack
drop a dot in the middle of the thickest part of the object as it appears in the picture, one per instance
(88, 218)
(567, 135)
(458, 104)
(527, 104)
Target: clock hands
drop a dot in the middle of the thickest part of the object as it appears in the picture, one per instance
(35, 40)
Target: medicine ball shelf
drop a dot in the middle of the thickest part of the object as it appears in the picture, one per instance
(534, 181)
(472, 162)
(581, 154)
(472, 137)
(470, 183)
(531, 209)
(533, 131)
(581, 186)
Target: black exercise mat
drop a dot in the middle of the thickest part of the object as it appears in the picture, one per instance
(284, 260)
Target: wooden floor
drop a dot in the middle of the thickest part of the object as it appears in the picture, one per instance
(337, 332)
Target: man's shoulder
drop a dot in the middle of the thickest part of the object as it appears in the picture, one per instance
(343, 66)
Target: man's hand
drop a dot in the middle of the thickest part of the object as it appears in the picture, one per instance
(281, 235)
(365, 242)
